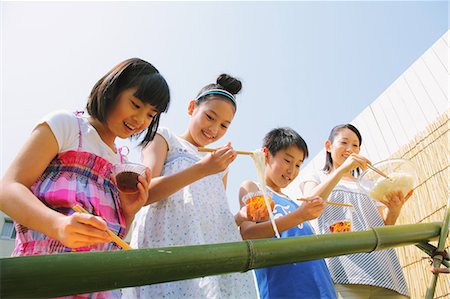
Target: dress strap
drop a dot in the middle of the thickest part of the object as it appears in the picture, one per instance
(123, 153)
(78, 114)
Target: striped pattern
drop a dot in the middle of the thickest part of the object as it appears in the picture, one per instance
(379, 268)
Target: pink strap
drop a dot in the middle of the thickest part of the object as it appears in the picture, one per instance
(123, 152)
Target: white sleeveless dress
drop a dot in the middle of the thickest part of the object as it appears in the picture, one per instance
(196, 214)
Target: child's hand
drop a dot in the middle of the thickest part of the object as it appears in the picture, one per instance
(79, 230)
(259, 215)
(311, 208)
(395, 200)
(218, 160)
(132, 203)
(354, 161)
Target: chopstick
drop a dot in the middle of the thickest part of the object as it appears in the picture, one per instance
(378, 171)
(208, 150)
(115, 238)
(332, 203)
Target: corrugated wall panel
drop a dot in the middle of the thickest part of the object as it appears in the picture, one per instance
(428, 111)
(359, 122)
(389, 141)
(407, 115)
(438, 71)
(372, 138)
(431, 86)
(440, 49)
(445, 37)
(395, 119)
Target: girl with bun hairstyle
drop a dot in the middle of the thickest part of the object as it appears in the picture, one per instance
(187, 203)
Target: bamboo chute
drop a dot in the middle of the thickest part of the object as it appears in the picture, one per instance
(77, 273)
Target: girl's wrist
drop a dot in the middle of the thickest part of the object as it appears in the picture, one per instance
(341, 171)
(200, 169)
(393, 213)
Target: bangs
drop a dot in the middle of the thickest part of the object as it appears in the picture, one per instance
(153, 90)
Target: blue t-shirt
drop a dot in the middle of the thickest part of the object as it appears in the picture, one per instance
(309, 280)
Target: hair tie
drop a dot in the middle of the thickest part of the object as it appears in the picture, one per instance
(221, 92)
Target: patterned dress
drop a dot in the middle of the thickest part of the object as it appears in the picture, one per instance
(197, 214)
(75, 177)
(378, 268)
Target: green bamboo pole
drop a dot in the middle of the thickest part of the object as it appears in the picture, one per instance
(77, 273)
(438, 257)
(431, 250)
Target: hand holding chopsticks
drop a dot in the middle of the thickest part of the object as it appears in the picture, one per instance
(208, 150)
(327, 202)
(378, 171)
(115, 238)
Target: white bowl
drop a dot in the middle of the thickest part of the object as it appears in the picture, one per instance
(402, 174)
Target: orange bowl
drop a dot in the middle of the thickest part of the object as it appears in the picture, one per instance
(256, 206)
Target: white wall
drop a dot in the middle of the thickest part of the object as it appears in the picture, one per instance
(403, 110)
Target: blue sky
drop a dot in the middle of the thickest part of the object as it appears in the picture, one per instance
(307, 65)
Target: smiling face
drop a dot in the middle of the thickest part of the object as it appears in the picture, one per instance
(130, 115)
(343, 145)
(209, 121)
(283, 167)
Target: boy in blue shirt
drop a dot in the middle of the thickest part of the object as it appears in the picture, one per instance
(284, 152)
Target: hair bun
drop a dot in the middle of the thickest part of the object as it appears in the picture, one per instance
(230, 84)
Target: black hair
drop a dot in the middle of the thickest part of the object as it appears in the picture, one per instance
(225, 82)
(335, 131)
(282, 138)
(151, 86)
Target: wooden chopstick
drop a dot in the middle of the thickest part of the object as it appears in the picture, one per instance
(332, 203)
(379, 171)
(205, 149)
(115, 238)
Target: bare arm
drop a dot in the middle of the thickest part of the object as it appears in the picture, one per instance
(154, 156)
(252, 230)
(17, 200)
(324, 188)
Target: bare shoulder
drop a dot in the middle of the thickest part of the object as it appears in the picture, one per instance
(157, 145)
(249, 186)
(154, 154)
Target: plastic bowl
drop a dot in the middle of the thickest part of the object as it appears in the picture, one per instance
(126, 175)
(402, 174)
(256, 205)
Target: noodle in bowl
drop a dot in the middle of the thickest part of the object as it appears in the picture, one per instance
(402, 177)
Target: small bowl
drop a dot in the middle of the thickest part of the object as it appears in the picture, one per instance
(402, 174)
(256, 205)
(126, 175)
(340, 226)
